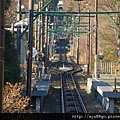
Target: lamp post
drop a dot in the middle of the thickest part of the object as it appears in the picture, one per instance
(2, 3)
(101, 56)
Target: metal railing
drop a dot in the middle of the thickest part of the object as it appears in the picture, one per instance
(107, 67)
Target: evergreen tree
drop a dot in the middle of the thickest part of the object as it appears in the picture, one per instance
(53, 4)
(7, 4)
(12, 69)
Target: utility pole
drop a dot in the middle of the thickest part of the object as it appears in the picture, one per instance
(96, 38)
(19, 17)
(46, 42)
(88, 47)
(41, 28)
(2, 45)
(78, 55)
(30, 39)
(36, 8)
(43, 37)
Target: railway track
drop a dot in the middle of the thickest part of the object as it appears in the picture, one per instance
(71, 101)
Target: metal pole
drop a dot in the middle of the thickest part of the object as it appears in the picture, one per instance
(96, 39)
(88, 48)
(30, 38)
(2, 39)
(78, 55)
(115, 81)
(41, 29)
(36, 33)
(36, 26)
(38, 30)
(19, 17)
(43, 26)
(46, 43)
(43, 38)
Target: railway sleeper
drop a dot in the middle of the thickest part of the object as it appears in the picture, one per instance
(71, 99)
(68, 90)
(73, 111)
(72, 104)
(78, 108)
(68, 94)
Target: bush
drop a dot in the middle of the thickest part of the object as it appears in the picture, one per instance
(13, 100)
(12, 68)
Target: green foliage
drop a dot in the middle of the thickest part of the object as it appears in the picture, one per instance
(7, 4)
(53, 4)
(12, 69)
(70, 8)
(52, 7)
(118, 2)
(110, 56)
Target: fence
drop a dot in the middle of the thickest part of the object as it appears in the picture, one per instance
(107, 67)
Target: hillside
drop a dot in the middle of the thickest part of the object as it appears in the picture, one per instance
(108, 35)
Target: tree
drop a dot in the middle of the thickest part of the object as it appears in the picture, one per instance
(7, 4)
(108, 34)
(53, 4)
(70, 7)
(13, 100)
(10, 16)
(118, 2)
(12, 68)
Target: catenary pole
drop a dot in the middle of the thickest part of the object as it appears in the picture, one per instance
(43, 34)
(41, 18)
(19, 17)
(88, 48)
(2, 39)
(96, 39)
(46, 42)
(30, 39)
(78, 49)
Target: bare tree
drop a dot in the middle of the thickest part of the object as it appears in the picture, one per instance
(13, 100)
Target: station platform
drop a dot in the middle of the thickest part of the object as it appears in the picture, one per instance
(104, 87)
(41, 87)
